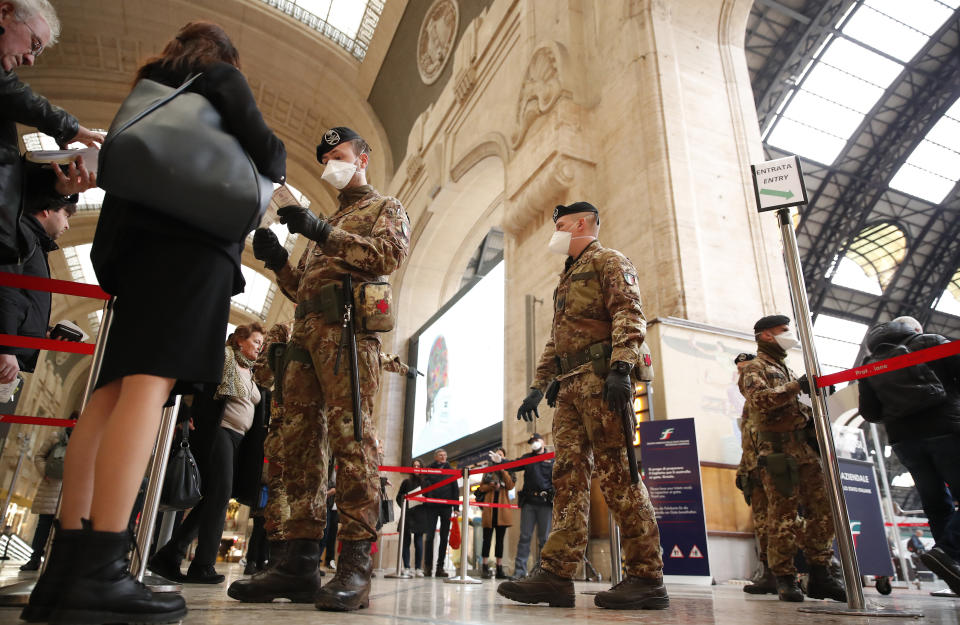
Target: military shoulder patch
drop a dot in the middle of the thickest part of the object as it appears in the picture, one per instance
(629, 278)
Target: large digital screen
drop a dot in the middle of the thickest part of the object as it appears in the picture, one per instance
(460, 351)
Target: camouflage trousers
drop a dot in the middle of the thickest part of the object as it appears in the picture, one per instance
(758, 509)
(317, 412)
(277, 510)
(786, 532)
(585, 432)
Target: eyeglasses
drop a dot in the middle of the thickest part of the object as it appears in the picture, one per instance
(36, 44)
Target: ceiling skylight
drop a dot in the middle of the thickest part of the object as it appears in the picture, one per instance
(949, 302)
(933, 168)
(350, 23)
(78, 262)
(257, 295)
(838, 342)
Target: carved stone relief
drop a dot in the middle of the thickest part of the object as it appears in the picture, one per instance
(435, 42)
(539, 93)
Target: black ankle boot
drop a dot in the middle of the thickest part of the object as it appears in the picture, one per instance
(295, 577)
(166, 563)
(59, 569)
(765, 585)
(540, 586)
(486, 572)
(350, 587)
(500, 574)
(102, 590)
(823, 585)
(788, 589)
(33, 564)
(203, 574)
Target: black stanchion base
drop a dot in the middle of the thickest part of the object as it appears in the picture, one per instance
(869, 610)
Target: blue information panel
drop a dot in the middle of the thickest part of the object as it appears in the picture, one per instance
(671, 472)
(866, 520)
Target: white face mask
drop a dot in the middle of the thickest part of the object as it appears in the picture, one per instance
(786, 340)
(536, 445)
(560, 242)
(338, 173)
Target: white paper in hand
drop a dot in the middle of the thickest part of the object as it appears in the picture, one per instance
(91, 157)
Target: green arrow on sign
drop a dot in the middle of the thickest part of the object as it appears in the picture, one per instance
(784, 194)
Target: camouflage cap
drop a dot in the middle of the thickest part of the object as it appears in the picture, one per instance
(771, 321)
(576, 207)
(334, 137)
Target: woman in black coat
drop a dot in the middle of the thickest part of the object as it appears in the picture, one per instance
(173, 287)
(413, 527)
(228, 446)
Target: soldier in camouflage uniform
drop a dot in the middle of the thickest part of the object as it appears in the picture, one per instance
(789, 465)
(598, 327)
(748, 481)
(367, 238)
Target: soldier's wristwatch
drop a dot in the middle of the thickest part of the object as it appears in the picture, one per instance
(623, 368)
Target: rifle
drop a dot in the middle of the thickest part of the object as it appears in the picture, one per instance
(348, 340)
(627, 421)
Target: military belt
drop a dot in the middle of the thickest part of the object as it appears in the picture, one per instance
(328, 303)
(782, 437)
(598, 353)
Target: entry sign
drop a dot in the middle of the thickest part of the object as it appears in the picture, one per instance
(778, 184)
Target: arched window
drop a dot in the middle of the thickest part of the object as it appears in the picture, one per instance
(872, 259)
(949, 301)
(349, 23)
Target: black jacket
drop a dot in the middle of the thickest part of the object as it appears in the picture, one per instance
(936, 421)
(123, 223)
(538, 476)
(26, 312)
(449, 491)
(207, 414)
(19, 104)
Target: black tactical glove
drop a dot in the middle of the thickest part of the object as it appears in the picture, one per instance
(618, 389)
(804, 384)
(300, 220)
(528, 409)
(413, 373)
(552, 391)
(266, 247)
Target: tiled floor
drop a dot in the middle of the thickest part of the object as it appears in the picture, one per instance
(414, 601)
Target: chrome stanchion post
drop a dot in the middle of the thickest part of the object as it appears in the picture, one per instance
(616, 566)
(148, 517)
(401, 528)
(24, 441)
(463, 578)
(856, 606)
(887, 503)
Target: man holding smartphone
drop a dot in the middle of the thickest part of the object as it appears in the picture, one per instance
(27, 312)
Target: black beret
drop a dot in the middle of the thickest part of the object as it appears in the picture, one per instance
(535, 436)
(576, 207)
(771, 321)
(743, 357)
(334, 137)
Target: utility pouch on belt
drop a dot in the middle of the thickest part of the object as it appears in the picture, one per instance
(784, 470)
(643, 370)
(281, 355)
(330, 303)
(374, 307)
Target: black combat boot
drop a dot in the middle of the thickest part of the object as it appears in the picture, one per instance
(944, 566)
(635, 593)
(294, 577)
(198, 573)
(540, 586)
(63, 553)
(350, 587)
(823, 585)
(500, 573)
(166, 563)
(788, 589)
(487, 573)
(101, 589)
(766, 584)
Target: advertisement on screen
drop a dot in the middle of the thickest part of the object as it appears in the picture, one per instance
(460, 352)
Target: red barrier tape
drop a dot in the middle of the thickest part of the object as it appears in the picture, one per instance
(66, 287)
(29, 342)
(891, 364)
(457, 502)
(432, 487)
(427, 471)
(62, 423)
(516, 463)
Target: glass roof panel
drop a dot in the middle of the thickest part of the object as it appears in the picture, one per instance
(882, 32)
(933, 168)
(921, 183)
(826, 80)
(923, 15)
(258, 290)
(810, 142)
(858, 61)
(828, 116)
(851, 275)
(349, 23)
(838, 342)
(78, 261)
(949, 302)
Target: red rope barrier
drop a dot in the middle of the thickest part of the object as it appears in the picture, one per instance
(432, 487)
(515, 463)
(457, 502)
(891, 364)
(50, 345)
(66, 287)
(63, 423)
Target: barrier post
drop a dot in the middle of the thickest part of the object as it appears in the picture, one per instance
(887, 503)
(463, 578)
(24, 441)
(616, 564)
(400, 573)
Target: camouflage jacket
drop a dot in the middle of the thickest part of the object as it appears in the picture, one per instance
(262, 372)
(597, 300)
(393, 364)
(748, 443)
(369, 239)
(772, 394)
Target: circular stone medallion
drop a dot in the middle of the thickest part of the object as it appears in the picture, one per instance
(435, 42)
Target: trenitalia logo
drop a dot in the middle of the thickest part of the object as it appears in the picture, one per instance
(666, 434)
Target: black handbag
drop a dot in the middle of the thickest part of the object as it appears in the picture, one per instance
(181, 482)
(167, 149)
